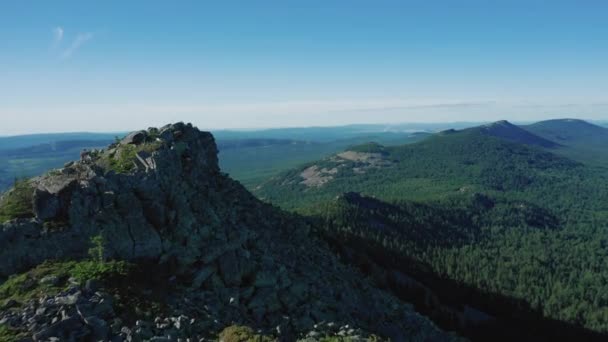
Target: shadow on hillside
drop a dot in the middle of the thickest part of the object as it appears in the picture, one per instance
(457, 307)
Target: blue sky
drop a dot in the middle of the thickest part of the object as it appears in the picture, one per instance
(120, 65)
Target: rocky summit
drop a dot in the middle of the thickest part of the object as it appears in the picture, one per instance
(147, 240)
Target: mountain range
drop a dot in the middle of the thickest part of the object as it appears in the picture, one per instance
(511, 216)
(491, 232)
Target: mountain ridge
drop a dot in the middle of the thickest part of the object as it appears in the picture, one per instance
(580, 140)
(470, 157)
(568, 130)
(505, 130)
(159, 196)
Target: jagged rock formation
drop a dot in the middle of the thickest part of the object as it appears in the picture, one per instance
(141, 214)
(159, 196)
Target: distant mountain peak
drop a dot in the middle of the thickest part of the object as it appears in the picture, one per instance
(572, 132)
(500, 123)
(568, 123)
(503, 129)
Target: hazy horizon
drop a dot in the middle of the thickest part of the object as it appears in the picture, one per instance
(389, 126)
(114, 66)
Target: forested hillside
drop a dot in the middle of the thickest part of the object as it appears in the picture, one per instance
(507, 131)
(501, 217)
(579, 140)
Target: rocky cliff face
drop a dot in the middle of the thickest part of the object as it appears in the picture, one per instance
(158, 196)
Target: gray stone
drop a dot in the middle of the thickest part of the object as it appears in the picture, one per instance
(229, 269)
(62, 330)
(68, 300)
(143, 329)
(50, 280)
(92, 285)
(166, 135)
(46, 206)
(103, 308)
(178, 126)
(134, 138)
(49, 195)
(144, 161)
(57, 184)
(100, 329)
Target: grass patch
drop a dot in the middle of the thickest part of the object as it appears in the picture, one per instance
(237, 333)
(54, 172)
(123, 159)
(17, 202)
(11, 335)
(372, 338)
(137, 292)
(27, 286)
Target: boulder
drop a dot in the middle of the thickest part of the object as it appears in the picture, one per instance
(134, 138)
(63, 330)
(166, 135)
(50, 280)
(99, 328)
(50, 196)
(46, 206)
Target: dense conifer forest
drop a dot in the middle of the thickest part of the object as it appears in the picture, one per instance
(502, 217)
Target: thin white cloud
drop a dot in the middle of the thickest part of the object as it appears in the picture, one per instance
(312, 106)
(57, 35)
(80, 40)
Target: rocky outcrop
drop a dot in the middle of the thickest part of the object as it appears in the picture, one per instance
(243, 260)
(82, 314)
(134, 138)
(152, 212)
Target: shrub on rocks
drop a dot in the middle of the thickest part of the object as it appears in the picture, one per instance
(33, 284)
(236, 333)
(17, 202)
(10, 335)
